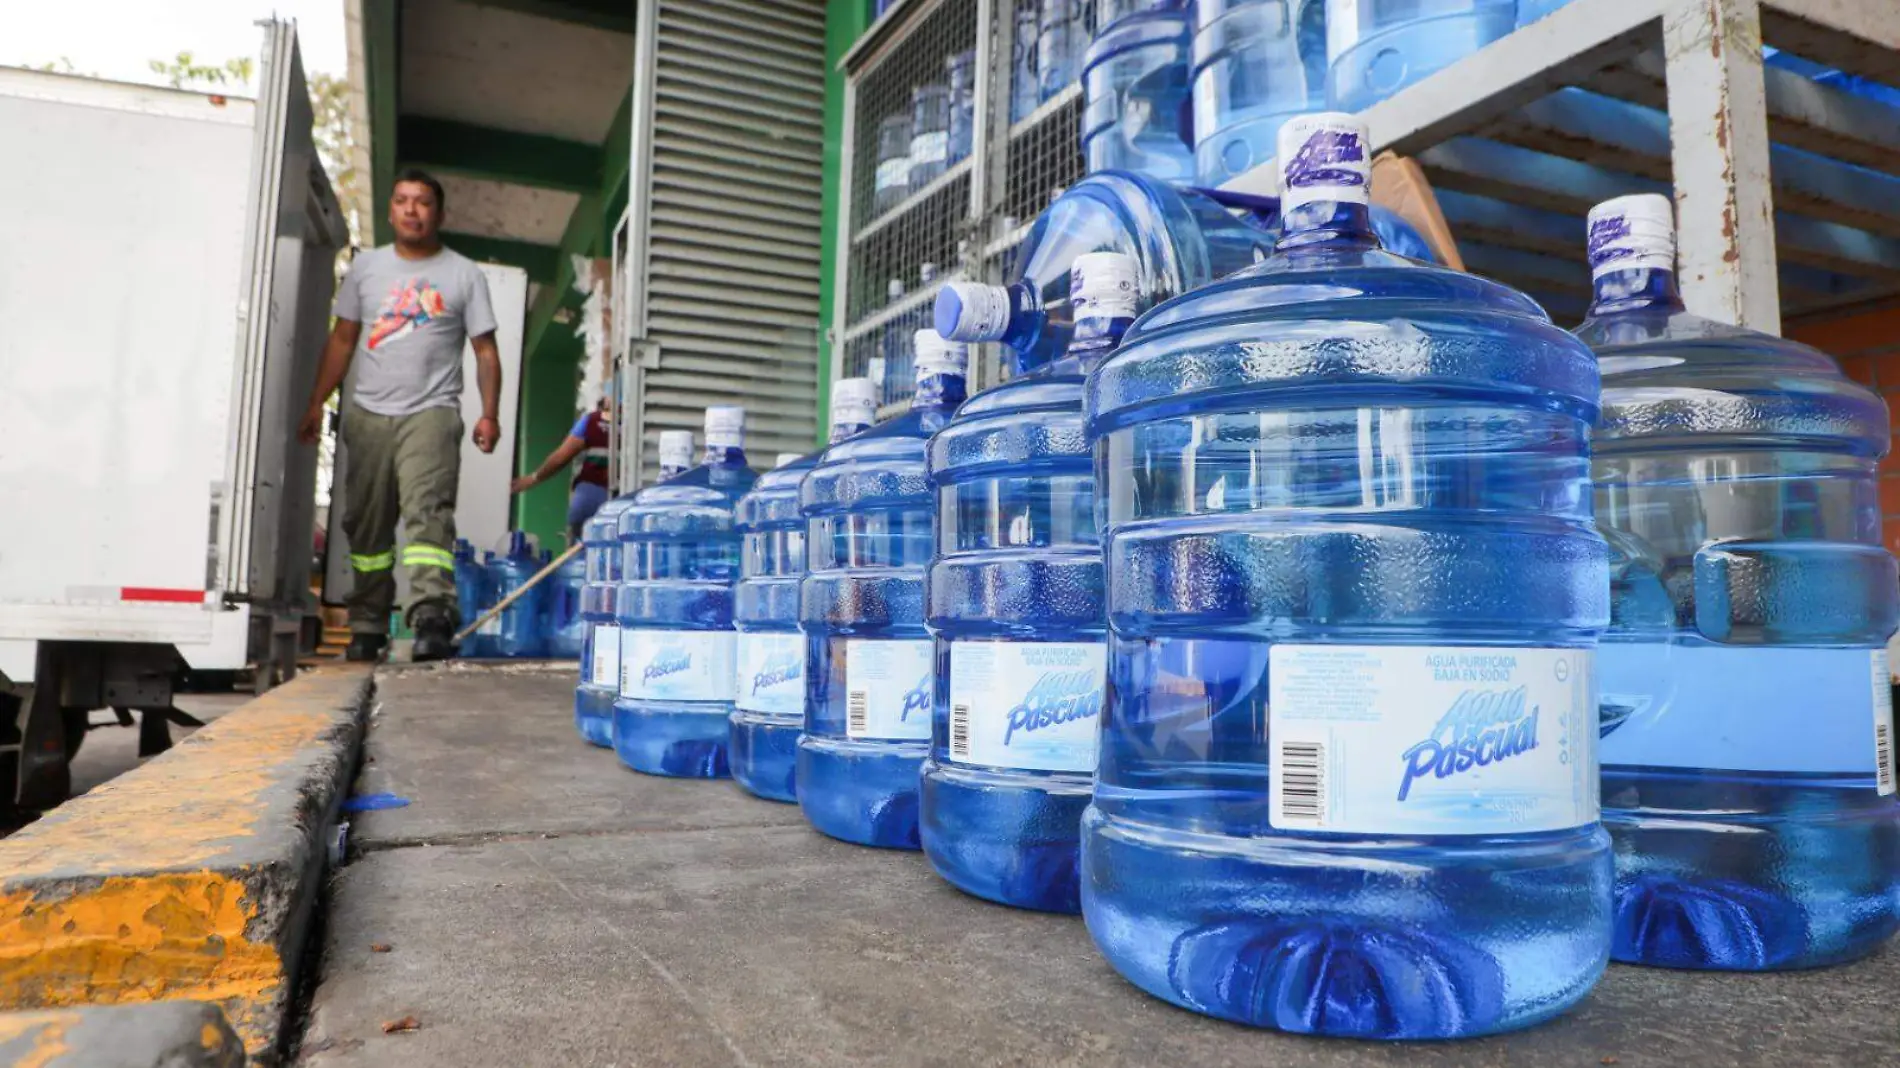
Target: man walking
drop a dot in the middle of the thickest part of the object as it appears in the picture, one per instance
(403, 425)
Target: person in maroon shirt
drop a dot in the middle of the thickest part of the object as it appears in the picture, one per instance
(590, 439)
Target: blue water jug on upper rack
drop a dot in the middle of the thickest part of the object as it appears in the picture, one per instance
(1256, 63)
(1375, 48)
(1135, 111)
(1347, 776)
(1747, 752)
(1178, 238)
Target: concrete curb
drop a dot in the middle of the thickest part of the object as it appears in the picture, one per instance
(193, 877)
(174, 1034)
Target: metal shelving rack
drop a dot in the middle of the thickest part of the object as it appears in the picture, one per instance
(1786, 194)
(968, 220)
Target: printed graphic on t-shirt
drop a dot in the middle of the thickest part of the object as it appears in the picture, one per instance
(409, 304)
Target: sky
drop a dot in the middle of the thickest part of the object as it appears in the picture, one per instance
(116, 38)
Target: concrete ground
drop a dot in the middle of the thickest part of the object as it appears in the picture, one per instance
(536, 904)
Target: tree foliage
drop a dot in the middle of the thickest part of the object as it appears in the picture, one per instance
(183, 71)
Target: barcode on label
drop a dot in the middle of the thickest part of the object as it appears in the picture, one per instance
(1883, 757)
(960, 732)
(857, 712)
(1301, 769)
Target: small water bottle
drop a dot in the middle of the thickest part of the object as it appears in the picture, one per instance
(1347, 782)
(1746, 699)
(870, 666)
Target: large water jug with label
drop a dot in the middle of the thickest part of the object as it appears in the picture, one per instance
(600, 655)
(519, 631)
(769, 707)
(1135, 111)
(1347, 781)
(1015, 600)
(1747, 716)
(1256, 64)
(870, 669)
(1375, 48)
(1179, 239)
(679, 560)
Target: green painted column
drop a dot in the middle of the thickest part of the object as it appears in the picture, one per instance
(845, 21)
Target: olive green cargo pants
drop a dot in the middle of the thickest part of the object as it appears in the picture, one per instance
(400, 466)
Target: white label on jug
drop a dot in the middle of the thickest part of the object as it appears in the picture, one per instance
(928, 148)
(888, 686)
(1417, 740)
(605, 670)
(1032, 705)
(1883, 722)
(771, 674)
(676, 665)
(893, 174)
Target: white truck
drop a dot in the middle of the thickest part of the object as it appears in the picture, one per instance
(166, 268)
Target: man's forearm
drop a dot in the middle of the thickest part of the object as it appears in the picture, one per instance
(488, 377)
(331, 371)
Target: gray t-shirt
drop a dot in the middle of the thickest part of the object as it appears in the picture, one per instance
(416, 314)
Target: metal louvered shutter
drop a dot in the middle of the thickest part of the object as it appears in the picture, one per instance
(723, 275)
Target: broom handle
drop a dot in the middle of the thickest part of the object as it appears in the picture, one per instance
(515, 596)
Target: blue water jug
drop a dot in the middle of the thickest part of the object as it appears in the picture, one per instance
(1374, 48)
(1347, 778)
(1025, 89)
(600, 656)
(769, 709)
(519, 631)
(566, 620)
(679, 560)
(471, 597)
(869, 667)
(1135, 112)
(959, 73)
(1180, 239)
(1015, 600)
(929, 133)
(1062, 35)
(1746, 701)
(1256, 64)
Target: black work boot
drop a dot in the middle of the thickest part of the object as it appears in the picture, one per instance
(365, 648)
(435, 634)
